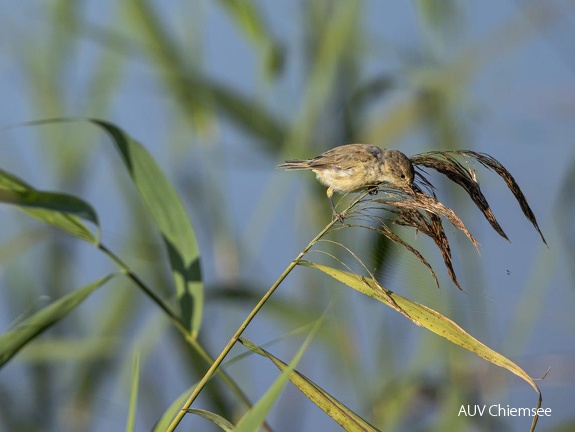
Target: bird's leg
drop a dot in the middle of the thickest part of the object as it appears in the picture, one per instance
(335, 213)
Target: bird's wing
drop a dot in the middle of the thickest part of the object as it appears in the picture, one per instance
(346, 157)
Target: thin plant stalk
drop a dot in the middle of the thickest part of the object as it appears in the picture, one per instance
(175, 319)
(218, 361)
(177, 322)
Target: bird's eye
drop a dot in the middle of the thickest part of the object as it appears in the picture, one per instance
(403, 176)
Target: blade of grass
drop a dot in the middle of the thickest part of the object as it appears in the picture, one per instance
(61, 203)
(59, 210)
(256, 416)
(15, 339)
(341, 414)
(423, 316)
(170, 216)
(130, 426)
(428, 318)
(172, 220)
(164, 423)
(225, 351)
(220, 358)
(216, 419)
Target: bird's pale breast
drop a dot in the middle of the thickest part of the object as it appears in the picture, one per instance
(349, 179)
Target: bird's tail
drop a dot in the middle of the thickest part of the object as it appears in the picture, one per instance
(295, 164)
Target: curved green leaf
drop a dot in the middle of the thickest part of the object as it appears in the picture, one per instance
(425, 317)
(60, 210)
(166, 209)
(13, 340)
(170, 216)
(216, 419)
(256, 416)
(164, 422)
(345, 417)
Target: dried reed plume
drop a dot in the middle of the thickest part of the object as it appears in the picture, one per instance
(413, 207)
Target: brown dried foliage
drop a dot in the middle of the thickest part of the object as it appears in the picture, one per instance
(445, 163)
(412, 207)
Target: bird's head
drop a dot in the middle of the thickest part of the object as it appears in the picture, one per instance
(397, 169)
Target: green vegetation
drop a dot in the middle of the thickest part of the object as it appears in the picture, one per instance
(158, 303)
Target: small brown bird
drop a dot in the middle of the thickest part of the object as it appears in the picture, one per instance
(351, 167)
